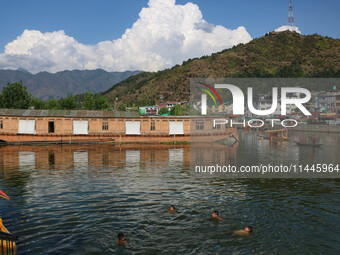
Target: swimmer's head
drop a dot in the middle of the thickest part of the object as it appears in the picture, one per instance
(215, 214)
(172, 208)
(121, 237)
(248, 229)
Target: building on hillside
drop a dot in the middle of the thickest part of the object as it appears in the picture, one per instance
(264, 102)
(337, 101)
(149, 110)
(327, 102)
(153, 110)
(169, 105)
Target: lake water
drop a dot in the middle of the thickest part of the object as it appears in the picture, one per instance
(75, 199)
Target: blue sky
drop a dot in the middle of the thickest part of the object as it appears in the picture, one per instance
(93, 21)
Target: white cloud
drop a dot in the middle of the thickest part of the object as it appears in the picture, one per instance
(164, 35)
(290, 28)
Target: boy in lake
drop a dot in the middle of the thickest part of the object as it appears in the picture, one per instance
(246, 231)
(215, 216)
(121, 238)
(172, 209)
(314, 139)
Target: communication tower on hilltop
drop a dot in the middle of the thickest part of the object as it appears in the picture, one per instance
(291, 16)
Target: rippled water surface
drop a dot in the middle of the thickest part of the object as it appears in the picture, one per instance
(75, 199)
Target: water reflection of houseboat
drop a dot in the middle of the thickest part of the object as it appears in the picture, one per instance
(278, 135)
(14, 159)
(76, 126)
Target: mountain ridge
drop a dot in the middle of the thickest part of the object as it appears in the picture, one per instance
(276, 54)
(45, 85)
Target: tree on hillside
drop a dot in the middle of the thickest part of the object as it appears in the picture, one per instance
(15, 96)
(101, 103)
(68, 103)
(53, 104)
(88, 103)
(38, 104)
(176, 110)
(163, 110)
(293, 70)
(121, 107)
(95, 102)
(146, 101)
(186, 109)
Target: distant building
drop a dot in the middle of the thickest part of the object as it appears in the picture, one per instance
(327, 102)
(264, 102)
(149, 110)
(153, 110)
(337, 101)
(169, 105)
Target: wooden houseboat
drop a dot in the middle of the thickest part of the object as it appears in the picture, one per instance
(78, 126)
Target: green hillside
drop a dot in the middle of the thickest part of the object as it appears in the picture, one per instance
(284, 54)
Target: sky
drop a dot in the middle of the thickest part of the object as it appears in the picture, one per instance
(150, 35)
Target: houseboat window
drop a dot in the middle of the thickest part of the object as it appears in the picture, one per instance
(199, 125)
(105, 126)
(51, 126)
(153, 126)
(1, 124)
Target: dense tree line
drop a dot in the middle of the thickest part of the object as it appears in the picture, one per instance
(16, 96)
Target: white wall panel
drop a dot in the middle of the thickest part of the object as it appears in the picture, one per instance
(176, 128)
(132, 127)
(80, 127)
(26, 127)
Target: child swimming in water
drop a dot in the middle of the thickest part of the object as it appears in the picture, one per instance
(121, 238)
(246, 231)
(215, 216)
(172, 209)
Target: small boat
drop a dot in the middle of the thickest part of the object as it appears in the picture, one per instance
(308, 144)
(7, 243)
(278, 135)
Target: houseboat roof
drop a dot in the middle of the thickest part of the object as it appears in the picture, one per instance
(68, 113)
